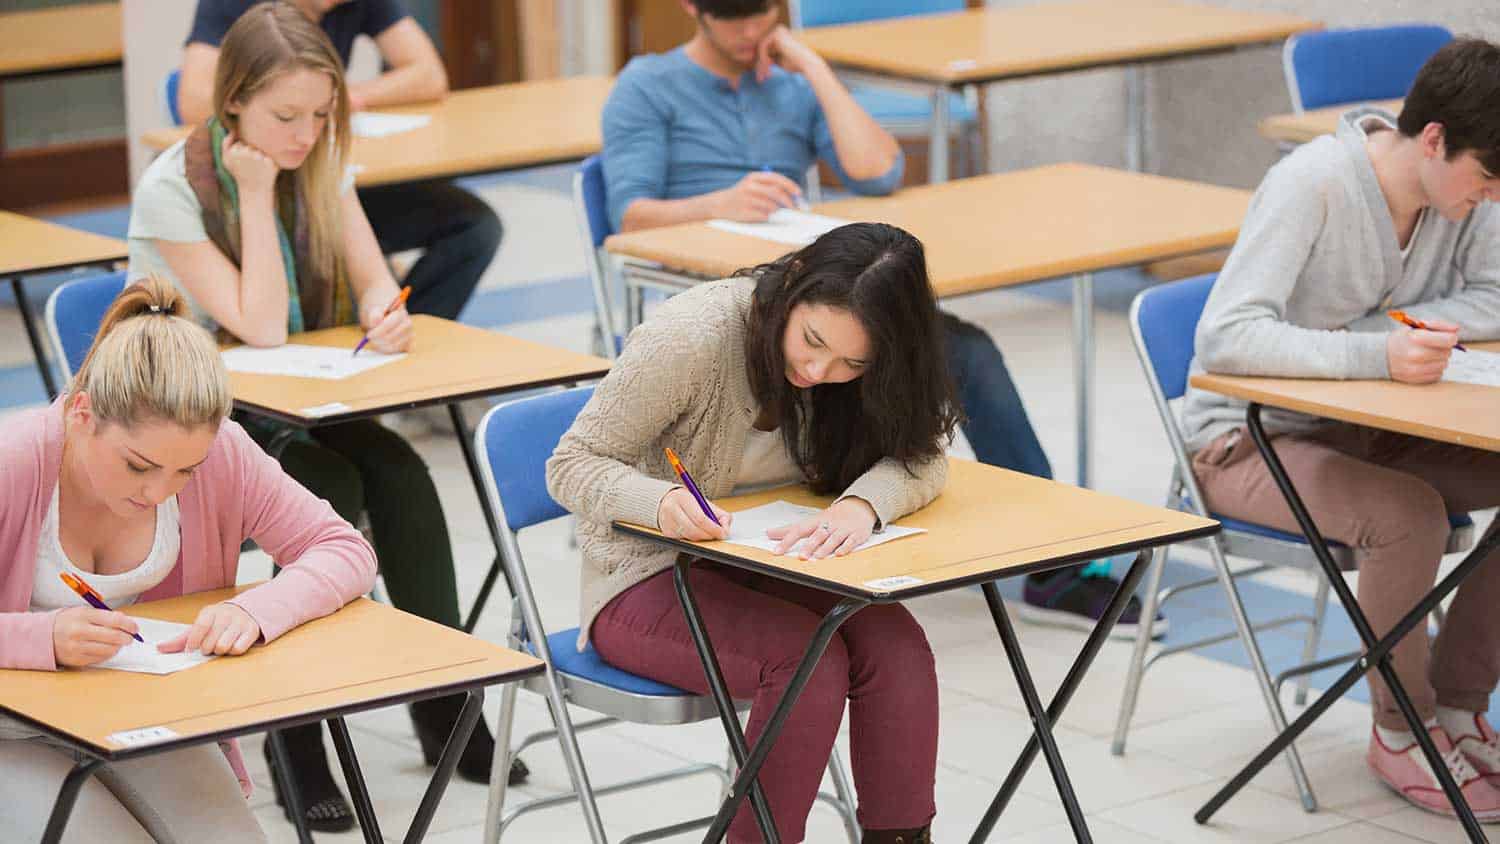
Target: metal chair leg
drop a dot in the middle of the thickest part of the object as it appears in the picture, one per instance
(500, 767)
(845, 793)
(1314, 636)
(1138, 654)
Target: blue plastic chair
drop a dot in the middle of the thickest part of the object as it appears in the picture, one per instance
(167, 97)
(591, 210)
(1336, 66)
(1163, 321)
(515, 439)
(901, 113)
(74, 311)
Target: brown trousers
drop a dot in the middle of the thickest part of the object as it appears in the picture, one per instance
(1388, 497)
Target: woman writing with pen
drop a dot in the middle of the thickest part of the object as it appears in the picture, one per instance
(825, 368)
(133, 486)
(255, 219)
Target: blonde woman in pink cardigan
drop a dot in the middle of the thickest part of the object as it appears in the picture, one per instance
(136, 481)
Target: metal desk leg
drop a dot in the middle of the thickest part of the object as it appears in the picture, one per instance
(1135, 118)
(67, 795)
(282, 763)
(1065, 691)
(937, 137)
(1083, 369)
(745, 780)
(468, 717)
(471, 460)
(1377, 650)
(28, 320)
(364, 810)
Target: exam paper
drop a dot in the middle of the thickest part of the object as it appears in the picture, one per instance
(301, 361)
(1473, 367)
(374, 124)
(146, 659)
(749, 527)
(785, 225)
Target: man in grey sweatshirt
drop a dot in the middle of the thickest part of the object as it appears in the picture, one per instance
(1387, 213)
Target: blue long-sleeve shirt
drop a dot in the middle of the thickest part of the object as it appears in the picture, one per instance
(674, 130)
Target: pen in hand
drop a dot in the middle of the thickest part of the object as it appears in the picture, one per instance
(87, 593)
(1410, 322)
(389, 309)
(687, 481)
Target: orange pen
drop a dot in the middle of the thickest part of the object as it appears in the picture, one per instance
(1409, 322)
(87, 593)
(389, 309)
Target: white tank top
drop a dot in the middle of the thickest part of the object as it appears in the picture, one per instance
(765, 463)
(118, 590)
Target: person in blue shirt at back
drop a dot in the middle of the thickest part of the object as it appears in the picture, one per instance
(726, 127)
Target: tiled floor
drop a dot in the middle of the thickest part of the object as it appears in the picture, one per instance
(1197, 719)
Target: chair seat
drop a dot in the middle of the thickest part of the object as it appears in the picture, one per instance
(1456, 522)
(884, 105)
(588, 665)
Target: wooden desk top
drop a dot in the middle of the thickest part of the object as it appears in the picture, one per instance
(1462, 414)
(364, 656)
(29, 245)
(449, 361)
(986, 45)
(477, 130)
(988, 523)
(1301, 128)
(65, 38)
(998, 230)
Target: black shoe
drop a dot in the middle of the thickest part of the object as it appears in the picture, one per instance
(323, 805)
(1067, 598)
(434, 720)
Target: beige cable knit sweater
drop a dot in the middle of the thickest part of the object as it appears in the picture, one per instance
(681, 382)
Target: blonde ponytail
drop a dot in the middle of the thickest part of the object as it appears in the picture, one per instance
(149, 361)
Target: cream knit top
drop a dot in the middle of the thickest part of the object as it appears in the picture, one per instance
(681, 382)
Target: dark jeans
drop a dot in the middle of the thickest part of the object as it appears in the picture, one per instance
(997, 425)
(457, 230)
(364, 467)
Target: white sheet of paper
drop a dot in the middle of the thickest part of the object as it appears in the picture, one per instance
(749, 527)
(785, 225)
(374, 124)
(301, 361)
(1473, 367)
(146, 659)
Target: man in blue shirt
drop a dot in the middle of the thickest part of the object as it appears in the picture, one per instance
(725, 127)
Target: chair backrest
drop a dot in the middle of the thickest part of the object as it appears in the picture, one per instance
(832, 12)
(74, 312)
(1163, 320)
(515, 440)
(168, 96)
(591, 208)
(1356, 65)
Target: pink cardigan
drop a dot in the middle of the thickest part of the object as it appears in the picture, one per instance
(239, 492)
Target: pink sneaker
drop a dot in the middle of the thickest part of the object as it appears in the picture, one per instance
(1407, 773)
(1481, 746)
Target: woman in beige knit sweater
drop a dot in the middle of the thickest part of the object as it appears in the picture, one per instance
(826, 368)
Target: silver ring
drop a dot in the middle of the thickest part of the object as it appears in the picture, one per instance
(826, 526)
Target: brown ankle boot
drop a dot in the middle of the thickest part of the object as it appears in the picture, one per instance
(920, 835)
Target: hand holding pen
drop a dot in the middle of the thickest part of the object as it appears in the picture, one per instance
(87, 635)
(389, 335)
(1421, 355)
(685, 514)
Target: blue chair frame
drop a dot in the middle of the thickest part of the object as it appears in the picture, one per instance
(74, 311)
(166, 96)
(1361, 64)
(1163, 321)
(591, 211)
(515, 440)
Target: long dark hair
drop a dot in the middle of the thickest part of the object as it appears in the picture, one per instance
(903, 404)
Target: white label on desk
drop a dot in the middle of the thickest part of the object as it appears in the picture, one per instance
(962, 64)
(896, 582)
(325, 409)
(145, 735)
